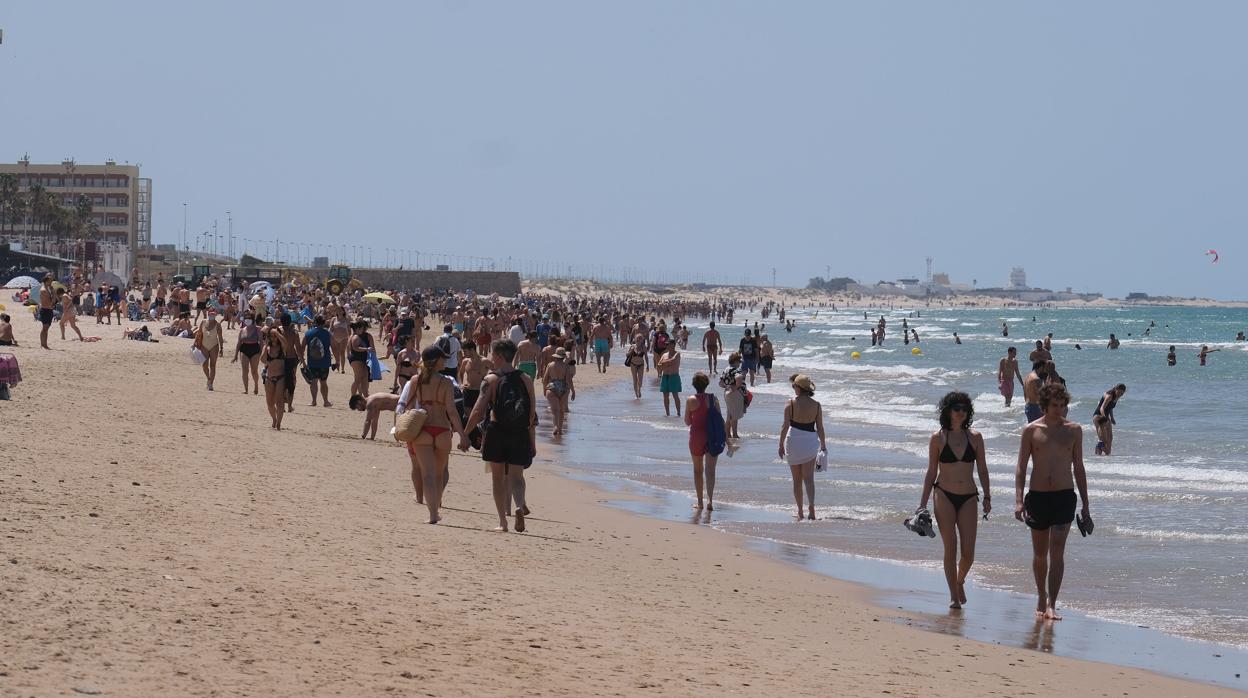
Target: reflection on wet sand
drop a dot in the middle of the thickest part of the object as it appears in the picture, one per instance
(1041, 636)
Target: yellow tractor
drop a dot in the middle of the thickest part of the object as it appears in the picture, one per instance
(339, 278)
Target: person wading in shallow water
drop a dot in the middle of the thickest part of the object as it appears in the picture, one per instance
(1054, 446)
(953, 455)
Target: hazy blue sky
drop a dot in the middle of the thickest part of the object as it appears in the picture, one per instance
(1098, 144)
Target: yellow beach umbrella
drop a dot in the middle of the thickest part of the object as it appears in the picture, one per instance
(379, 297)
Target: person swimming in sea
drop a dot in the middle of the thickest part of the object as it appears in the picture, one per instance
(1171, 358)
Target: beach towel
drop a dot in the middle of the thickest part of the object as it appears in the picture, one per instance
(374, 366)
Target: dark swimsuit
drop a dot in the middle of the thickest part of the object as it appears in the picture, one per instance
(806, 426)
(947, 456)
(361, 356)
(1104, 410)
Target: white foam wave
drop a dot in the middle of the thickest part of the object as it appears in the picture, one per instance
(1157, 534)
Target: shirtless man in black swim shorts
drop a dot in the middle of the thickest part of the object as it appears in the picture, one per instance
(47, 297)
(1054, 445)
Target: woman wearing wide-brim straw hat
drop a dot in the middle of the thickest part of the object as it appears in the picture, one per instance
(802, 440)
(558, 386)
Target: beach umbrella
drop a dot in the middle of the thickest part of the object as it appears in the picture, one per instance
(108, 277)
(255, 287)
(378, 297)
(22, 282)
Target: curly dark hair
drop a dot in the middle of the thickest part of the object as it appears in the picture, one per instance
(946, 406)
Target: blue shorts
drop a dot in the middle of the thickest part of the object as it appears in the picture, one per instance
(749, 364)
(602, 346)
(1033, 412)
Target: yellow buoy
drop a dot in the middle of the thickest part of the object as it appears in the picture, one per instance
(916, 351)
(2, 308)
(855, 355)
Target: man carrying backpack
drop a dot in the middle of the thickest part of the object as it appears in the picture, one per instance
(449, 344)
(318, 358)
(509, 444)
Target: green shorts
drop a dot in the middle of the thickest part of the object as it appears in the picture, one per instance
(528, 367)
(669, 383)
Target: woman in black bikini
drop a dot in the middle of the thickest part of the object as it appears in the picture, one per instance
(954, 453)
(249, 346)
(274, 357)
(357, 356)
(431, 451)
(1103, 418)
(405, 362)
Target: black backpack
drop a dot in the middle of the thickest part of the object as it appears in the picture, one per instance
(444, 343)
(511, 402)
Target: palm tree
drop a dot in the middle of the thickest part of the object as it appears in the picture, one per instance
(9, 196)
(81, 214)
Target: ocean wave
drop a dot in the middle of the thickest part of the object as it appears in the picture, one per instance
(1158, 534)
(1167, 472)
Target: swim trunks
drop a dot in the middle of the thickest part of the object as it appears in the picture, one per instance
(1042, 510)
(766, 361)
(509, 448)
(749, 364)
(669, 383)
(602, 347)
(46, 315)
(1006, 387)
(1033, 412)
(201, 305)
(528, 367)
(317, 374)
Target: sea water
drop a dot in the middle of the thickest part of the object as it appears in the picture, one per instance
(1170, 550)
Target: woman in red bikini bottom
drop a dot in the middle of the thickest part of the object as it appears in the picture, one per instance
(431, 451)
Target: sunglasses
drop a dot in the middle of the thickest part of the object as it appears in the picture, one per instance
(960, 407)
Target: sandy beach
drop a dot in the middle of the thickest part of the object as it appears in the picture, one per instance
(160, 539)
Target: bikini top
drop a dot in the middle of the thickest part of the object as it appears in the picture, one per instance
(802, 426)
(947, 456)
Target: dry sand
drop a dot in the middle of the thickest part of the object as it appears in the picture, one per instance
(159, 539)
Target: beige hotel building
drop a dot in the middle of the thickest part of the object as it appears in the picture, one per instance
(121, 199)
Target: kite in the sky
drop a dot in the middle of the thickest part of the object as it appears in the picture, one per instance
(1215, 256)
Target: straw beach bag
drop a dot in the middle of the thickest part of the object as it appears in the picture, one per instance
(407, 426)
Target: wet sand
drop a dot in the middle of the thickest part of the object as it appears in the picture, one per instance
(160, 539)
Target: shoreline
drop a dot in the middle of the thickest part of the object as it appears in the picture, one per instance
(169, 542)
(792, 297)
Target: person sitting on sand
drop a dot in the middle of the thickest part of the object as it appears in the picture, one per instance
(372, 407)
(6, 331)
(1054, 446)
(954, 453)
(802, 439)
